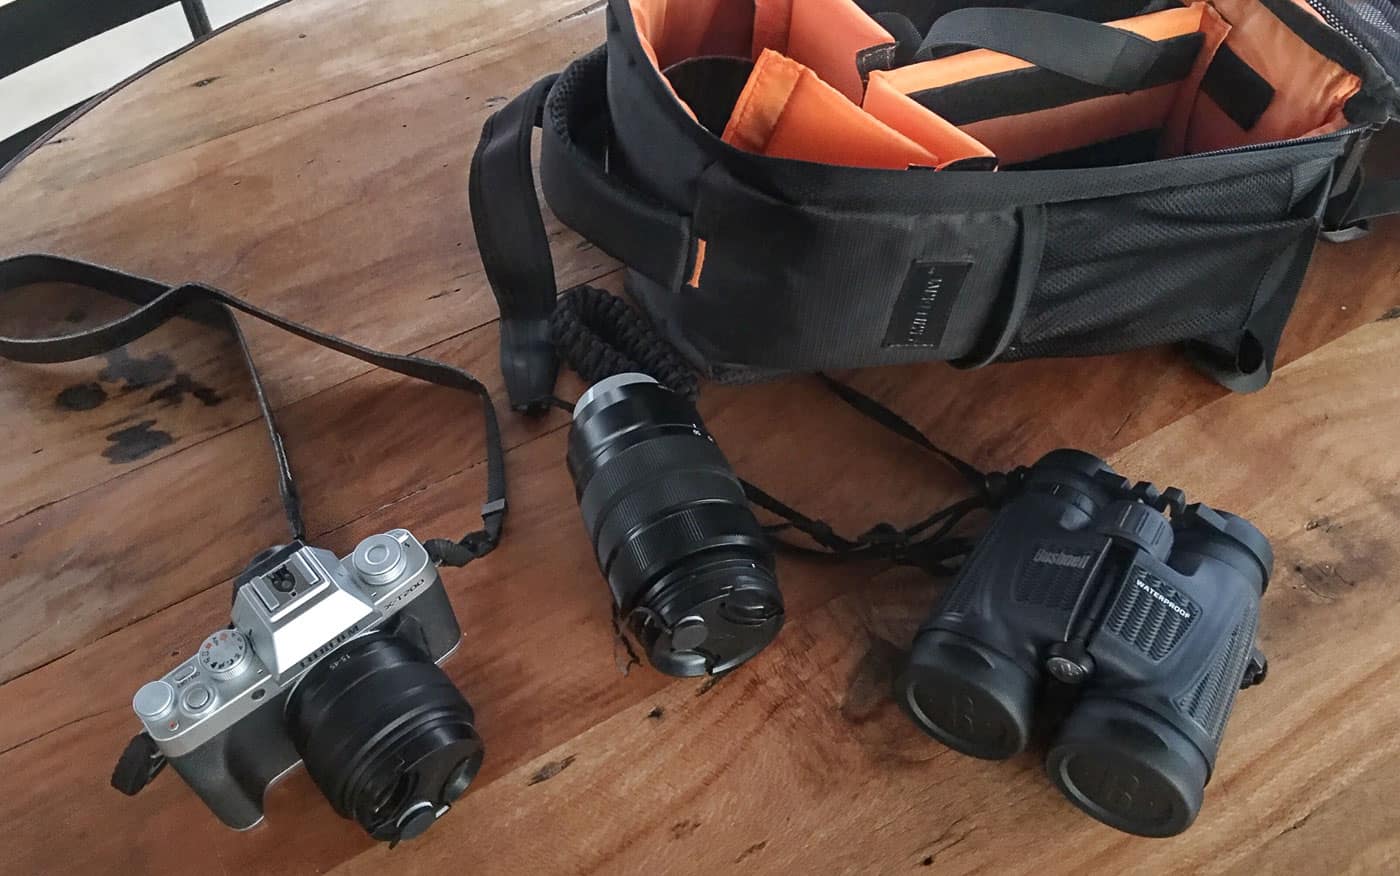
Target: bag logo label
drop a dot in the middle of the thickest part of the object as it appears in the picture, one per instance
(925, 304)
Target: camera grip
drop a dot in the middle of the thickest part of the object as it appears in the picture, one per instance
(232, 771)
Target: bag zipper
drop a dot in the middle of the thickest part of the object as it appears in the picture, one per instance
(1272, 144)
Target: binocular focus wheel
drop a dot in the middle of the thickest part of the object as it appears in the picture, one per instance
(967, 696)
(1128, 768)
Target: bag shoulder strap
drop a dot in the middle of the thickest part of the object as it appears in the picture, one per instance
(582, 190)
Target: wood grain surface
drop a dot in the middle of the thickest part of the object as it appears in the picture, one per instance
(314, 160)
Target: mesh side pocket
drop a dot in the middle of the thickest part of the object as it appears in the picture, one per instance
(1157, 267)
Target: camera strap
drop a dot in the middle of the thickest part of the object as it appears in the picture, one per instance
(156, 303)
(598, 334)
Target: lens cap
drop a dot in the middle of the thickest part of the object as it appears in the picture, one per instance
(1128, 768)
(717, 620)
(966, 695)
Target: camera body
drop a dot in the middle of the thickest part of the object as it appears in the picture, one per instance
(1082, 578)
(308, 630)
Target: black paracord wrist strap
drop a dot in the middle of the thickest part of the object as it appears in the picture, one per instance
(598, 335)
(156, 303)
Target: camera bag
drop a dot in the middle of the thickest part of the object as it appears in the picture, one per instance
(798, 185)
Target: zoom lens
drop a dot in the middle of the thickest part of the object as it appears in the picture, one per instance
(690, 570)
(385, 735)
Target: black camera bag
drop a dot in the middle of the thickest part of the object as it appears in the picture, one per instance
(755, 266)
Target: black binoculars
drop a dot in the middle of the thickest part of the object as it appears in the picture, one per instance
(1083, 583)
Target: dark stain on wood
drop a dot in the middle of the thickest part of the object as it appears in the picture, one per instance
(1392, 313)
(81, 397)
(868, 688)
(550, 770)
(183, 385)
(135, 372)
(682, 829)
(751, 851)
(656, 713)
(207, 81)
(135, 442)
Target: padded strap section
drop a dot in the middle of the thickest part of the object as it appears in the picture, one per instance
(1100, 55)
(572, 110)
(514, 248)
(157, 303)
(589, 195)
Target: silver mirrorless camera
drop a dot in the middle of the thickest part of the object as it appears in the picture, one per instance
(332, 662)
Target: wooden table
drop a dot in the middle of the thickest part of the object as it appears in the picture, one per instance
(314, 159)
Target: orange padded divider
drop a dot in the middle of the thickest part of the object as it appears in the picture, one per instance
(976, 63)
(1031, 135)
(1309, 88)
(1182, 115)
(1026, 137)
(946, 141)
(824, 35)
(787, 111)
(673, 30)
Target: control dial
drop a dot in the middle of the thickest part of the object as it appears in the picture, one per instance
(379, 560)
(224, 654)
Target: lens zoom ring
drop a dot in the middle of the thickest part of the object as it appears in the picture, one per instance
(659, 497)
(677, 537)
(641, 462)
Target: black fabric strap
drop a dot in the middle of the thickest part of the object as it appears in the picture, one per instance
(582, 190)
(156, 303)
(873, 410)
(514, 247)
(1095, 53)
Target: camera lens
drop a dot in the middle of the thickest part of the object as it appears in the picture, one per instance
(385, 734)
(690, 569)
